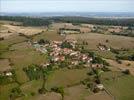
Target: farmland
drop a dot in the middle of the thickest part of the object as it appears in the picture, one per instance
(47, 65)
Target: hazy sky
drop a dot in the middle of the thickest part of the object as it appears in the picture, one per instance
(66, 5)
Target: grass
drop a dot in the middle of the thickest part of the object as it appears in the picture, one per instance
(5, 91)
(64, 77)
(4, 64)
(122, 88)
(13, 40)
(49, 35)
(94, 39)
(78, 92)
(106, 54)
(21, 57)
(31, 87)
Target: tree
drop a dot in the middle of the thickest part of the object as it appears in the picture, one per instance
(59, 90)
(15, 92)
(46, 73)
(98, 73)
(127, 72)
(66, 45)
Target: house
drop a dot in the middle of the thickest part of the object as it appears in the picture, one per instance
(8, 73)
(45, 65)
(74, 53)
(75, 62)
(97, 66)
(67, 51)
(61, 58)
(100, 86)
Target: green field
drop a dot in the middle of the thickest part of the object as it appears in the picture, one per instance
(121, 88)
(22, 56)
(49, 35)
(5, 91)
(64, 77)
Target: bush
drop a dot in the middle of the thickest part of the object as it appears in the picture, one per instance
(118, 61)
(127, 72)
(42, 91)
(66, 44)
(15, 92)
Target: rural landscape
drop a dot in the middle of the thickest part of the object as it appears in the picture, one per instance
(66, 57)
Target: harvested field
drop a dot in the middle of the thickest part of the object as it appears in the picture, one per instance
(48, 96)
(64, 77)
(49, 35)
(78, 92)
(93, 39)
(22, 56)
(4, 64)
(84, 29)
(124, 65)
(28, 87)
(13, 39)
(122, 88)
(5, 91)
(24, 30)
(99, 96)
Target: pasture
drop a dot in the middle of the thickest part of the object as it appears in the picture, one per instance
(64, 77)
(4, 64)
(114, 41)
(122, 88)
(22, 56)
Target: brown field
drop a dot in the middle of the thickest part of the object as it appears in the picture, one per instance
(4, 65)
(78, 92)
(83, 28)
(21, 57)
(4, 31)
(47, 96)
(13, 39)
(94, 39)
(50, 35)
(25, 30)
(122, 66)
(64, 77)
(5, 91)
(99, 96)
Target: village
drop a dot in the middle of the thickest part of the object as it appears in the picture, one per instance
(71, 62)
(63, 51)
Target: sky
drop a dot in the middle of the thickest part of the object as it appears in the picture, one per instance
(66, 6)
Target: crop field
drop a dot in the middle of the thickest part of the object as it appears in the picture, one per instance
(49, 35)
(4, 64)
(21, 57)
(122, 88)
(94, 39)
(16, 53)
(47, 96)
(24, 30)
(124, 65)
(64, 77)
(84, 29)
(12, 40)
(27, 88)
(5, 91)
(78, 92)
(99, 96)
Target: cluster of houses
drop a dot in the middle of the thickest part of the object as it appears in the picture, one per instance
(103, 47)
(59, 54)
(6, 73)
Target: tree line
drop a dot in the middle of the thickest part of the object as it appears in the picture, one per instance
(45, 21)
(98, 21)
(27, 21)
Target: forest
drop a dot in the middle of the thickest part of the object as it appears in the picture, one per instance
(45, 21)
